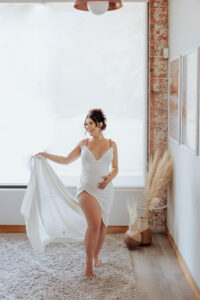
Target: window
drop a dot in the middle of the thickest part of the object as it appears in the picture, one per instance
(56, 64)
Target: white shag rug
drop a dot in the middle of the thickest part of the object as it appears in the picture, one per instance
(59, 272)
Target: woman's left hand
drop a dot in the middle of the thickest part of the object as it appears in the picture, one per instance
(103, 184)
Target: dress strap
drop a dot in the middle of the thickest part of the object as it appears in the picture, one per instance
(110, 143)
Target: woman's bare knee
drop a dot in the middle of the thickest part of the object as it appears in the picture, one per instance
(94, 227)
(94, 224)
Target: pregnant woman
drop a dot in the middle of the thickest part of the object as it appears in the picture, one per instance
(95, 192)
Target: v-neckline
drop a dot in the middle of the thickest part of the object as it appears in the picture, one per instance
(101, 155)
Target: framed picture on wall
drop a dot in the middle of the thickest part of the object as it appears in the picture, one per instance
(190, 100)
(174, 100)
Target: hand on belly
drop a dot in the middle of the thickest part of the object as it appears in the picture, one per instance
(101, 185)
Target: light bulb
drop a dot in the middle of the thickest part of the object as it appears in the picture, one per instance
(98, 7)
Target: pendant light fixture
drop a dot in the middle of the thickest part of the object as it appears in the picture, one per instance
(97, 7)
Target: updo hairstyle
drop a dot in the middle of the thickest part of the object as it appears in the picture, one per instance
(97, 116)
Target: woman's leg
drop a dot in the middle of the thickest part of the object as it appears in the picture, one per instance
(102, 234)
(92, 212)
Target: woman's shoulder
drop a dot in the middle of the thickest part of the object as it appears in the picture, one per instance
(113, 143)
(82, 143)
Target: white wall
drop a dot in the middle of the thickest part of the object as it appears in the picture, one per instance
(184, 194)
(11, 200)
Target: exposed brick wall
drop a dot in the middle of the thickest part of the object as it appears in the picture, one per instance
(158, 90)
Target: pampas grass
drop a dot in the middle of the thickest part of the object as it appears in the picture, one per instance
(155, 202)
(158, 177)
(153, 164)
(132, 209)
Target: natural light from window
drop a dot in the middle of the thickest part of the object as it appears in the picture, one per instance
(56, 63)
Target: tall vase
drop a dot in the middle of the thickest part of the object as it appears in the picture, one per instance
(132, 237)
(143, 226)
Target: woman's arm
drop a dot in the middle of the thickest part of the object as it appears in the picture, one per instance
(73, 155)
(114, 171)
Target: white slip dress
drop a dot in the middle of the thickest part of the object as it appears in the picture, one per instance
(51, 212)
(92, 171)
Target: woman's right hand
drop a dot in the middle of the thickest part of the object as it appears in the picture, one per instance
(42, 153)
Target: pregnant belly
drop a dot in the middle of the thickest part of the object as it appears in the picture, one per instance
(93, 181)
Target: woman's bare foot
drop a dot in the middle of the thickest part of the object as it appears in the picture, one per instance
(89, 269)
(97, 263)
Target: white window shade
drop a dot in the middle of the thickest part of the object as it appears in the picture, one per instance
(56, 64)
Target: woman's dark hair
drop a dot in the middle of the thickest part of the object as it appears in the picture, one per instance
(97, 116)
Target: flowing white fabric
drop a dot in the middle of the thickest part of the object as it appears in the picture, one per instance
(50, 211)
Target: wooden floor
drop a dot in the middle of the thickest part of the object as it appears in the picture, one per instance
(159, 276)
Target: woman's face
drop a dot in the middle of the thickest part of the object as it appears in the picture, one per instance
(91, 127)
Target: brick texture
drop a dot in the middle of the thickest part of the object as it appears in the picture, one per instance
(158, 93)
